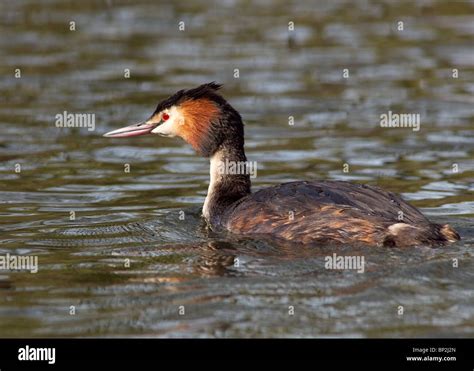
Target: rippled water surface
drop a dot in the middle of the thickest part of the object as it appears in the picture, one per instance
(135, 216)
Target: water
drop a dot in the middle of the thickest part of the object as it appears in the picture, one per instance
(135, 217)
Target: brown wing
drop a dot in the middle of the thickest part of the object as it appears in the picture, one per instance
(321, 211)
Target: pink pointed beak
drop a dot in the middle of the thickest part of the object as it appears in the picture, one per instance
(141, 128)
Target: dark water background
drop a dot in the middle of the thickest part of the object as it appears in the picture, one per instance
(136, 215)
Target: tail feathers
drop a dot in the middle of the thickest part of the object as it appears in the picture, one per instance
(405, 235)
(449, 234)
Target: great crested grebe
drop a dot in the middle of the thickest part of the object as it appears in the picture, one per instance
(302, 212)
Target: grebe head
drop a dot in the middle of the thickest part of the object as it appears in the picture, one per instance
(201, 116)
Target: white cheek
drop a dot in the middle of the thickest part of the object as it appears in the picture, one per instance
(167, 129)
(170, 127)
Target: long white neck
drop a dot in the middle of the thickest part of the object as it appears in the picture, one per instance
(224, 188)
(215, 178)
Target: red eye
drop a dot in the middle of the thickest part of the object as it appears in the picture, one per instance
(165, 116)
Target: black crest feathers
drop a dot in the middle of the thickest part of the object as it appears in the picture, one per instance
(208, 90)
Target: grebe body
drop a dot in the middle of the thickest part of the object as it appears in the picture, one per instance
(306, 212)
